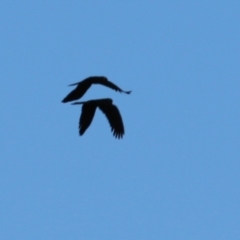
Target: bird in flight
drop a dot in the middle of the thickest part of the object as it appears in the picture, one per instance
(85, 84)
(108, 108)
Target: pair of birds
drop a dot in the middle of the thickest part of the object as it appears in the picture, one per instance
(89, 107)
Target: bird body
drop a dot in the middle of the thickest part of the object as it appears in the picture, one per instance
(85, 84)
(108, 108)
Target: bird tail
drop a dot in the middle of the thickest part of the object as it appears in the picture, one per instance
(76, 103)
(73, 84)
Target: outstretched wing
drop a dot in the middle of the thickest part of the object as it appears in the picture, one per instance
(114, 118)
(107, 83)
(73, 95)
(78, 92)
(88, 111)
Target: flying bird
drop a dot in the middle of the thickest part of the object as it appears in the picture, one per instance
(108, 108)
(85, 84)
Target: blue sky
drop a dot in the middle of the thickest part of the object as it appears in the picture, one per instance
(175, 174)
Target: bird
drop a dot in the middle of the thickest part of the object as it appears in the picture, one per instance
(85, 84)
(108, 108)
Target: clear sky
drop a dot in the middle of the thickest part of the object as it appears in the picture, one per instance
(175, 174)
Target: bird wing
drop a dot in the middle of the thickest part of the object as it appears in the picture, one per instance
(78, 92)
(114, 118)
(111, 85)
(88, 111)
(73, 95)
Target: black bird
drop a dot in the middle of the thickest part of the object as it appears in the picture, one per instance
(85, 84)
(108, 108)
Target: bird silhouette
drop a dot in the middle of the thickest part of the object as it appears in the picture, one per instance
(108, 108)
(85, 84)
